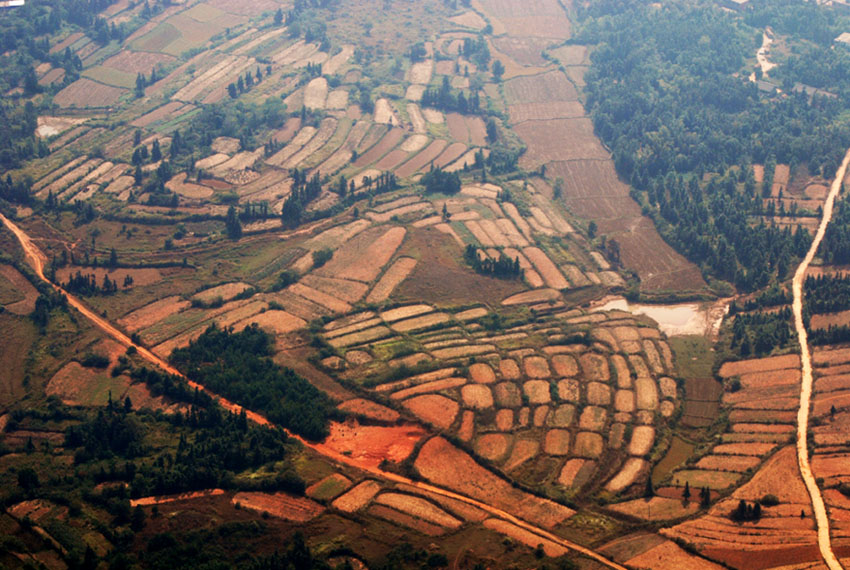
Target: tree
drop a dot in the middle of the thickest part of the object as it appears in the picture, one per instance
(231, 90)
(113, 259)
(492, 130)
(322, 256)
(28, 479)
(591, 229)
(498, 70)
(156, 152)
(232, 223)
(278, 17)
(137, 522)
(140, 85)
(613, 247)
(686, 494)
(558, 190)
(704, 498)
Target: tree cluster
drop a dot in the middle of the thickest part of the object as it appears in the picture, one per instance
(827, 293)
(503, 268)
(446, 99)
(245, 83)
(88, 286)
(757, 334)
(673, 110)
(304, 190)
(239, 367)
(438, 181)
(746, 512)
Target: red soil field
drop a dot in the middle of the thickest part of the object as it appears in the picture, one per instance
(370, 445)
(592, 190)
(442, 463)
(452, 153)
(524, 51)
(387, 143)
(433, 409)
(544, 88)
(559, 139)
(87, 93)
(280, 505)
(536, 18)
(481, 373)
(137, 62)
(738, 368)
(369, 409)
(422, 160)
(161, 113)
(825, 321)
(404, 519)
(23, 287)
(544, 111)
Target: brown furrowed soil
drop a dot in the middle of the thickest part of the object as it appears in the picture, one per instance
(444, 464)
(280, 505)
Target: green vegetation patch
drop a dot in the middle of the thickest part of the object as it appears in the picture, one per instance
(239, 367)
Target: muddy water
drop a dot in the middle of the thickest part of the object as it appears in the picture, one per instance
(675, 320)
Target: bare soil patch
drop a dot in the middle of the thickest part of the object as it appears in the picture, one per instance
(493, 446)
(275, 321)
(25, 295)
(369, 409)
(477, 396)
(730, 369)
(444, 464)
(87, 93)
(280, 505)
(537, 391)
(433, 409)
(482, 373)
(370, 445)
(151, 314)
(358, 497)
(419, 508)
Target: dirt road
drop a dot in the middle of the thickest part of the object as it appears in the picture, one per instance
(37, 259)
(818, 507)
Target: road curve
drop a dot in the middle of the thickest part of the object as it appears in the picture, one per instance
(37, 259)
(818, 507)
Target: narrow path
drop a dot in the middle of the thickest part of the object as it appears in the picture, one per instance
(818, 507)
(36, 259)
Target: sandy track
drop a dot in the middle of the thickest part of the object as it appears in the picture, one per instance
(818, 507)
(37, 259)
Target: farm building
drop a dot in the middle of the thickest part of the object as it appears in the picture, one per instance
(812, 91)
(739, 5)
(843, 39)
(841, 5)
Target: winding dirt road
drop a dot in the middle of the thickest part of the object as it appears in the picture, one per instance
(818, 507)
(37, 259)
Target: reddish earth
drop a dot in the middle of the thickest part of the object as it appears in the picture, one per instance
(87, 93)
(280, 505)
(445, 465)
(368, 446)
(162, 499)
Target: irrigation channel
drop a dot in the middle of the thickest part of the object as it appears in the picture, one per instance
(821, 518)
(36, 259)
